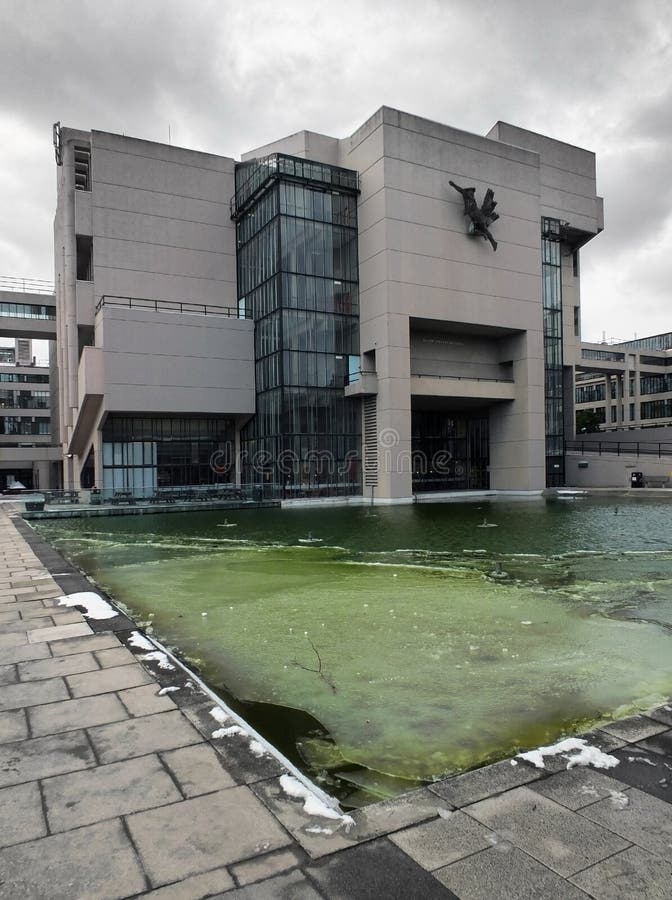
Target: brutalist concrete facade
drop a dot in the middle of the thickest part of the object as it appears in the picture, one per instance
(450, 331)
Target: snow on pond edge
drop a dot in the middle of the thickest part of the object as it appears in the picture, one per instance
(585, 755)
(93, 604)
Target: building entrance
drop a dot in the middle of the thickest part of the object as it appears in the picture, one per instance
(450, 452)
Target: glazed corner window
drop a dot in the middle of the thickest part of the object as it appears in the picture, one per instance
(84, 258)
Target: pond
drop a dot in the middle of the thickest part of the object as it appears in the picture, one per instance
(380, 648)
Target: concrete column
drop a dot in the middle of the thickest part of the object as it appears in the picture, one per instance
(517, 428)
(636, 397)
(393, 365)
(68, 381)
(98, 458)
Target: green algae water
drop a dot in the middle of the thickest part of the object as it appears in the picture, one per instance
(381, 648)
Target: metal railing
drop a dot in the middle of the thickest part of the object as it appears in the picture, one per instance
(620, 448)
(462, 377)
(26, 285)
(173, 306)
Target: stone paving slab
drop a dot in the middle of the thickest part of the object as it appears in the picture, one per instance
(632, 874)
(136, 737)
(481, 783)
(644, 820)
(659, 743)
(509, 875)
(106, 792)
(105, 681)
(210, 884)
(202, 833)
(94, 862)
(13, 726)
(21, 814)
(635, 728)
(197, 769)
(375, 869)
(44, 756)
(546, 831)
(578, 787)
(444, 840)
(19, 696)
(69, 715)
(145, 700)
(38, 670)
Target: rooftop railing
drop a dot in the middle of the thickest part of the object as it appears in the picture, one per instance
(173, 306)
(26, 285)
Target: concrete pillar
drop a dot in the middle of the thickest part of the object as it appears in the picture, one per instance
(393, 366)
(68, 309)
(517, 428)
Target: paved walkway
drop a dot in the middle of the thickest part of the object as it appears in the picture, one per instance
(119, 777)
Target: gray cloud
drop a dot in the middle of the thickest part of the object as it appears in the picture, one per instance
(228, 77)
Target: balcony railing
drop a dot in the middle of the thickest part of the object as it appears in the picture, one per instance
(173, 306)
(26, 285)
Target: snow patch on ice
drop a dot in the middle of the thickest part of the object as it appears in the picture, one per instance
(583, 754)
(140, 642)
(159, 657)
(93, 604)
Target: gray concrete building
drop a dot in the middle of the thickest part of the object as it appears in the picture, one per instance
(328, 316)
(625, 385)
(27, 312)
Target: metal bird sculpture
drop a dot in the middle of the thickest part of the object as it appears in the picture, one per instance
(481, 217)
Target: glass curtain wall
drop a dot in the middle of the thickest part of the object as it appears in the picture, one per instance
(298, 276)
(144, 453)
(553, 358)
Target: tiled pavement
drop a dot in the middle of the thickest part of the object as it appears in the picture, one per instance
(111, 787)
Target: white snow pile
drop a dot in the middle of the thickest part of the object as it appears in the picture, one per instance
(168, 690)
(140, 642)
(93, 604)
(160, 658)
(221, 717)
(228, 732)
(312, 805)
(576, 751)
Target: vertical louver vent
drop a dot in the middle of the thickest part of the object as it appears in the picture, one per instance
(370, 442)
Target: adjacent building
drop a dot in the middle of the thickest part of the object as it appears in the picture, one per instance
(326, 316)
(26, 455)
(626, 385)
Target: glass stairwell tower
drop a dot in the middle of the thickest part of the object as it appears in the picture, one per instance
(296, 239)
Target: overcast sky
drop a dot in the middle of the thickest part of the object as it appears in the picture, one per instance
(229, 76)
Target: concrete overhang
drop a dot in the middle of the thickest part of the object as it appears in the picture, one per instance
(478, 390)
